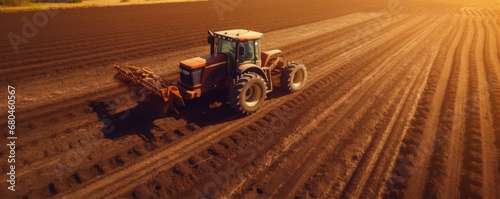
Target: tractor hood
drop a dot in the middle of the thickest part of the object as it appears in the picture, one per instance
(207, 60)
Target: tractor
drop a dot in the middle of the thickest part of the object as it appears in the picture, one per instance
(235, 63)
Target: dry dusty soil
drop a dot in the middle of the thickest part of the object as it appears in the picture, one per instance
(402, 100)
(53, 4)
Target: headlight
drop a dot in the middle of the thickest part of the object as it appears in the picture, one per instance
(185, 72)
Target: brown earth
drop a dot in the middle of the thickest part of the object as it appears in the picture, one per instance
(402, 100)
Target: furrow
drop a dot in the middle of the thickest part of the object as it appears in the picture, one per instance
(489, 122)
(443, 181)
(296, 175)
(416, 147)
(376, 187)
(472, 175)
(392, 135)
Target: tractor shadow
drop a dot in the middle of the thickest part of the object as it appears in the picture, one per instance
(210, 109)
(277, 93)
(124, 123)
(214, 108)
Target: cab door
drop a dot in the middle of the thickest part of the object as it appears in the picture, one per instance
(251, 54)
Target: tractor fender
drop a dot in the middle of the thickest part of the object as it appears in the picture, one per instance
(273, 52)
(251, 68)
(266, 56)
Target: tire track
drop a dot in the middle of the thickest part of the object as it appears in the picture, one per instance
(339, 187)
(282, 189)
(359, 112)
(449, 147)
(376, 181)
(486, 113)
(472, 174)
(303, 166)
(366, 173)
(493, 89)
(424, 124)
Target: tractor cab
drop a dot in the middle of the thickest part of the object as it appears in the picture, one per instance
(240, 47)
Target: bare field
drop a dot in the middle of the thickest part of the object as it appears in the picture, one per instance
(403, 100)
(84, 4)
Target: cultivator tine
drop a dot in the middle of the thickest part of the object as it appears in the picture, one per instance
(154, 83)
(124, 73)
(172, 96)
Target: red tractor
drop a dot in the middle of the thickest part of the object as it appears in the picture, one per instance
(235, 62)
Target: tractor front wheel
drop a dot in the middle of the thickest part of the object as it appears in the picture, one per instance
(293, 76)
(247, 93)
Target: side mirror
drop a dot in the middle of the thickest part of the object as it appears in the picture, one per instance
(211, 36)
(242, 50)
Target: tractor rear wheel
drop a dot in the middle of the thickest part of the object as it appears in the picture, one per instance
(293, 76)
(247, 93)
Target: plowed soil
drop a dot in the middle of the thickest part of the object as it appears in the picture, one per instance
(402, 100)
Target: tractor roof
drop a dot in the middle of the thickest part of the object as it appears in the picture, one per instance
(240, 34)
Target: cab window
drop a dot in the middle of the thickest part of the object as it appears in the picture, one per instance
(257, 52)
(226, 47)
(249, 54)
(229, 49)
